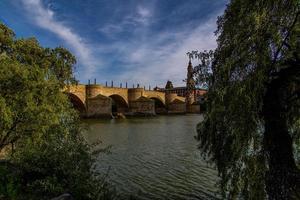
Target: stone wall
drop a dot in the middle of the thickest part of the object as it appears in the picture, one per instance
(77, 90)
(122, 92)
(194, 108)
(170, 97)
(135, 93)
(155, 94)
(99, 106)
(93, 90)
(142, 106)
(161, 110)
(177, 107)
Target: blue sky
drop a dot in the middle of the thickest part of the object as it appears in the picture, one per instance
(132, 41)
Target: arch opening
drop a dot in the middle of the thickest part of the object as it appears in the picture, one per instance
(160, 107)
(119, 105)
(77, 104)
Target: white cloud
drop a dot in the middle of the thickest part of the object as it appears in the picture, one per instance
(44, 18)
(155, 60)
(141, 17)
(143, 12)
(145, 59)
(110, 29)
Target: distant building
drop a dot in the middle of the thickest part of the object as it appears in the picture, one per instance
(190, 92)
(198, 94)
(169, 85)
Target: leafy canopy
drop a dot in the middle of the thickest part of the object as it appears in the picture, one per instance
(43, 153)
(257, 57)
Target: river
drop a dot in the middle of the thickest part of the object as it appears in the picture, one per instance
(154, 158)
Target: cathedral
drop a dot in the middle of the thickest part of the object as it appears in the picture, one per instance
(189, 91)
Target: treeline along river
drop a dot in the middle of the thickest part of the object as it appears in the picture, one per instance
(154, 158)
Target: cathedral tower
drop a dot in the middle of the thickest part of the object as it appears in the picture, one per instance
(190, 85)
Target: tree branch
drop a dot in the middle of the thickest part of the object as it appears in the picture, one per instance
(285, 38)
(3, 141)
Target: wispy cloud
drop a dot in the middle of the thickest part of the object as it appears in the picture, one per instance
(140, 18)
(155, 60)
(143, 12)
(110, 29)
(137, 43)
(154, 56)
(45, 18)
(143, 16)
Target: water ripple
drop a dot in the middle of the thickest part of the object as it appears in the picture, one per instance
(155, 158)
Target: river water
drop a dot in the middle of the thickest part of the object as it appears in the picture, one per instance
(154, 158)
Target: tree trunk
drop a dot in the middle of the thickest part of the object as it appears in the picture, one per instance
(283, 176)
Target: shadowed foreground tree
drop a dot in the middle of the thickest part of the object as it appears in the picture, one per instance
(252, 126)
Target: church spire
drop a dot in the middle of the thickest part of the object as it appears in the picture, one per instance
(190, 84)
(190, 73)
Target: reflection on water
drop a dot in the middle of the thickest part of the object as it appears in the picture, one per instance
(155, 158)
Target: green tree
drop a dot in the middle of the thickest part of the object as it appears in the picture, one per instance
(58, 61)
(43, 153)
(31, 81)
(251, 128)
(29, 103)
(61, 63)
(6, 39)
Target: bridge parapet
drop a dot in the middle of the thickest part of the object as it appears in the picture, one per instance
(155, 94)
(100, 100)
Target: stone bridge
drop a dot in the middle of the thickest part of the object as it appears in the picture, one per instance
(98, 100)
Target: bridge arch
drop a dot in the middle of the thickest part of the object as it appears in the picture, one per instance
(77, 103)
(119, 104)
(160, 107)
